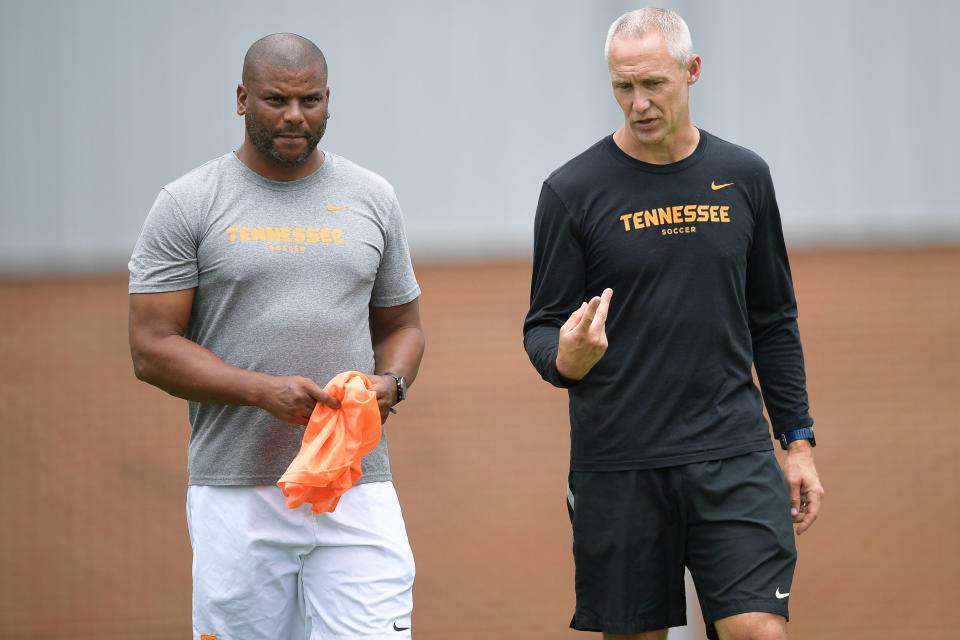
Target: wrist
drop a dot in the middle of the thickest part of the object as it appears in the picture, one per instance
(803, 438)
(800, 446)
(566, 371)
(399, 386)
(258, 389)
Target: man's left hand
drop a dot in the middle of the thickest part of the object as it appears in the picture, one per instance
(386, 389)
(806, 492)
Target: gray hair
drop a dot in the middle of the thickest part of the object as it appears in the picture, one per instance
(670, 25)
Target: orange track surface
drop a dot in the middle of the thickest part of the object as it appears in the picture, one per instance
(93, 541)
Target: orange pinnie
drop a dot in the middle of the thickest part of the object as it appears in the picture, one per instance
(334, 443)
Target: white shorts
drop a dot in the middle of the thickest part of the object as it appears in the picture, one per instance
(263, 571)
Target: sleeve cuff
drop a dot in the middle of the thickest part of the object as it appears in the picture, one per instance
(783, 425)
(554, 377)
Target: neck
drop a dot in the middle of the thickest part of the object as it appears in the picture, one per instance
(673, 148)
(267, 167)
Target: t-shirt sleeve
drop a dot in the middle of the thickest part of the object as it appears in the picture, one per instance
(165, 256)
(557, 285)
(396, 282)
(772, 312)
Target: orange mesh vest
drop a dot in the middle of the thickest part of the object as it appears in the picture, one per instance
(333, 444)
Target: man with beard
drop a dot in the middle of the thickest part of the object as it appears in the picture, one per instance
(257, 277)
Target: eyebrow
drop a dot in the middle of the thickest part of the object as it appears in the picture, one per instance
(630, 78)
(270, 93)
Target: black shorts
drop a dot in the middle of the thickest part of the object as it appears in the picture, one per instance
(634, 531)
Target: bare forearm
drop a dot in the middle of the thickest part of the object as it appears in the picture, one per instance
(400, 352)
(164, 358)
(186, 370)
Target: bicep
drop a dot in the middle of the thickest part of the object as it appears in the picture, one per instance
(386, 320)
(559, 266)
(158, 315)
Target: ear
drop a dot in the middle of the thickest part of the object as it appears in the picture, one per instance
(694, 67)
(241, 100)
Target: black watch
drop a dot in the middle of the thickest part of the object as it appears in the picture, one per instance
(401, 385)
(806, 433)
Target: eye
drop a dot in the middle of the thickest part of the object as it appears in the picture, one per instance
(274, 100)
(311, 100)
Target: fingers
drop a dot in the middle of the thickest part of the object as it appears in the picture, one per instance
(583, 338)
(574, 319)
(595, 312)
(806, 492)
(809, 509)
(321, 396)
(795, 500)
(603, 307)
(299, 414)
(589, 313)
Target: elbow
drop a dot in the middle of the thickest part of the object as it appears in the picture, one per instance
(142, 367)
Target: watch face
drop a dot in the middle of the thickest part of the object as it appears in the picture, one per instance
(402, 388)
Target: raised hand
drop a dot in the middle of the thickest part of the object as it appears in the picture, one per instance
(583, 337)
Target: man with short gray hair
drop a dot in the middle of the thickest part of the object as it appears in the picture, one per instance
(660, 279)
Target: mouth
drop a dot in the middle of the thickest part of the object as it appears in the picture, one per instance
(645, 123)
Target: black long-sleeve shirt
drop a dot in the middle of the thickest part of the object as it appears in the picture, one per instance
(702, 291)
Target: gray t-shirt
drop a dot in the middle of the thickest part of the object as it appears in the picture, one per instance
(285, 273)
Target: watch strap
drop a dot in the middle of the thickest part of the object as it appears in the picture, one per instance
(805, 433)
(399, 380)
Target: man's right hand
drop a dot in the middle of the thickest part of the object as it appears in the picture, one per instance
(583, 337)
(292, 398)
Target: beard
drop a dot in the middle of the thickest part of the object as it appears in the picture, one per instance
(262, 139)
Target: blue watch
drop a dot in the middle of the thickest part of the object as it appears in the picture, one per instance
(806, 433)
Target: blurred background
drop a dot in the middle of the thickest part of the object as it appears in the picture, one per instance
(466, 108)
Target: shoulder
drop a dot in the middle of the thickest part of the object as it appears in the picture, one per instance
(199, 180)
(579, 172)
(729, 162)
(349, 173)
(735, 156)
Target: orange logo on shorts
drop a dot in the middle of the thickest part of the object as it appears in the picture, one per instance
(207, 637)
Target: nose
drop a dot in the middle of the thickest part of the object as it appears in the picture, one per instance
(293, 114)
(641, 102)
